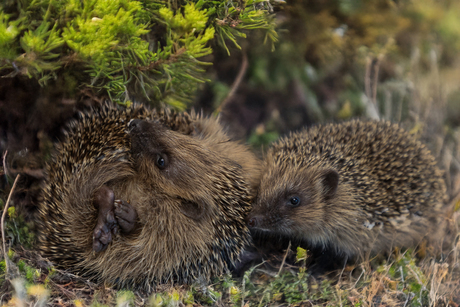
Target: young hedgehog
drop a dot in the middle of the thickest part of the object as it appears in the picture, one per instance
(135, 202)
(351, 189)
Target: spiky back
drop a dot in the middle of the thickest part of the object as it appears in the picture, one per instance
(97, 144)
(394, 175)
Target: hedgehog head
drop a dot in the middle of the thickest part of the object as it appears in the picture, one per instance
(293, 198)
(174, 163)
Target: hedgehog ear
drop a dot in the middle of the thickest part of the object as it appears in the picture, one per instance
(330, 180)
(191, 209)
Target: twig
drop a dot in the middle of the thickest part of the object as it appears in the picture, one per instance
(5, 169)
(416, 276)
(344, 266)
(284, 258)
(376, 78)
(71, 295)
(359, 277)
(367, 78)
(35, 173)
(236, 83)
(5, 254)
(409, 298)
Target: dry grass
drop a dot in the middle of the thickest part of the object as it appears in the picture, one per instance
(400, 280)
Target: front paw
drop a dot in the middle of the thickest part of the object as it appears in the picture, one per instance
(105, 229)
(106, 226)
(125, 215)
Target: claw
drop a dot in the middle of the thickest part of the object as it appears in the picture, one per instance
(126, 215)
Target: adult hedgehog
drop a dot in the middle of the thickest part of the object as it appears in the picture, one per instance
(351, 188)
(137, 197)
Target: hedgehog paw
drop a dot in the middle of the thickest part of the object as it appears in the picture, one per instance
(106, 225)
(102, 234)
(126, 215)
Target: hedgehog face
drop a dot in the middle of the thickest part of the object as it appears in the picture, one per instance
(173, 164)
(183, 175)
(294, 201)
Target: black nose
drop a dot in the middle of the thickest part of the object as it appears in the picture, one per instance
(134, 123)
(252, 222)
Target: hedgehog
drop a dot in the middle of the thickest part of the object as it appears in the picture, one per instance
(350, 189)
(136, 197)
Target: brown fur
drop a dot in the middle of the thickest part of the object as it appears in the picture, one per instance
(191, 215)
(389, 191)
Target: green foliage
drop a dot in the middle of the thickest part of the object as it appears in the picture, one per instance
(101, 29)
(354, 53)
(189, 29)
(125, 298)
(2, 271)
(172, 298)
(126, 49)
(8, 34)
(408, 278)
(29, 272)
(263, 136)
(301, 255)
(235, 16)
(258, 139)
(17, 229)
(293, 290)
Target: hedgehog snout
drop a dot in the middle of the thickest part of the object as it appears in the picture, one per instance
(133, 124)
(254, 221)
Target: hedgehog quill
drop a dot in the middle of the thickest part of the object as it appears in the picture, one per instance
(136, 197)
(352, 189)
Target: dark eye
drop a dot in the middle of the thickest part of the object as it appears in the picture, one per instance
(295, 201)
(161, 162)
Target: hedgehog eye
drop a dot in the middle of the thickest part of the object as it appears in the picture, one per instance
(294, 201)
(161, 161)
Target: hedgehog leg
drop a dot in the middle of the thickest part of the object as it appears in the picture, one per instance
(106, 223)
(126, 215)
